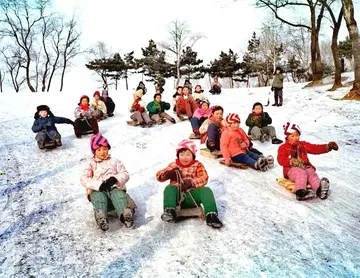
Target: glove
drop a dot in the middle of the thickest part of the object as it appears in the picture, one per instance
(297, 162)
(111, 181)
(188, 184)
(332, 146)
(105, 186)
(170, 175)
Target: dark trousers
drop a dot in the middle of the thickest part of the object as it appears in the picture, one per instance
(85, 125)
(278, 95)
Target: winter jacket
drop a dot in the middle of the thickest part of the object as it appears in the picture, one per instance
(201, 113)
(199, 96)
(89, 113)
(260, 121)
(230, 142)
(300, 150)
(157, 108)
(204, 128)
(137, 105)
(217, 83)
(195, 171)
(99, 171)
(99, 105)
(107, 101)
(278, 81)
(48, 123)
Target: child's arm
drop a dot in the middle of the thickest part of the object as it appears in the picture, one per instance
(249, 121)
(283, 156)
(36, 126)
(165, 105)
(88, 181)
(161, 175)
(315, 148)
(224, 142)
(77, 112)
(62, 120)
(152, 110)
(201, 176)
(266, 119)
(122, 175)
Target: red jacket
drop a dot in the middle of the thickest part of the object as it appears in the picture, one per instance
(300, 150)
(137, 106)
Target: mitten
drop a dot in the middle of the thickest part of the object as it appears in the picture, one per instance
(111, 181)
(104, 186)
(187, 184)
(296, 162)
(170, 174)
(332, 146)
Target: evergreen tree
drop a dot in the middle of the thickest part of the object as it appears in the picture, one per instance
(345, 48)
(190, 65)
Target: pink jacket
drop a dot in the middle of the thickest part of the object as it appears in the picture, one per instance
(202, 113)
(230, 141)
(100, 170)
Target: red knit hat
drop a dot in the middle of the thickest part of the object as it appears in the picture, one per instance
(186, 144)
(291, 128)
(97, 141)
(82, 97)
(97, 93)
(232, 118)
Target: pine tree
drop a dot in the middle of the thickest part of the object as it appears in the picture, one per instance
(345, 49)
(190, 65)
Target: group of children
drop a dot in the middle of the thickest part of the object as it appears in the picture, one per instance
(105, 177)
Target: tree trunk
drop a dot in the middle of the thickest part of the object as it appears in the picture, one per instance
(335, 53)
(116, 84)
(126, 81)
(52, 72)
(63, 74)
(355, 40)
(178, 70)
(1, 81)
(316, 65)
(27, 68)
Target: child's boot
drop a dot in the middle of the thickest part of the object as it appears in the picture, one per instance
(127, 217)
(270, 161)
(58, 140)
(276, 141)
(41, 144)
(213, 221)
(101, 220)
(262, 164)
(263, 138)
(169, 215)
(303, 195)
(323, 191)
(173, 121)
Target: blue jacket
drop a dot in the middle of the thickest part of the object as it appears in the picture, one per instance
(48, 123)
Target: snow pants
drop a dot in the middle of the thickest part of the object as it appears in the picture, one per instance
(106, 202)
(213, 141)
(140, 117)
(304, 176)
(110, 107)
(202, 195)
(186, 106)
(45, 136)
(156, 117)
(256, 132)
(278, 96)
(196, 123)
(82, 126)
(249, 158)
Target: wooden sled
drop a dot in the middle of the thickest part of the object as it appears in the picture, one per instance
(193, 137)
(235, 164)
(183, 213)
(132, 123)
(289, 185)
(50, 145)
(206, 152)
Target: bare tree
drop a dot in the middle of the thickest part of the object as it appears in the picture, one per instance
(20, 20)
(14, 62)
(36, 56)
(180, 37)
(315, 24)
(351, 25)
(71, 47)
(56, 40)
(2, 78)
(298, 45)
(327, 57)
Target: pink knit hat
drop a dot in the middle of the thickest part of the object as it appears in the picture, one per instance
(97, 141)
(186, 144)
(291, 128)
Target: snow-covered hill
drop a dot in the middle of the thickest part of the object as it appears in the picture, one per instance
(48, 229)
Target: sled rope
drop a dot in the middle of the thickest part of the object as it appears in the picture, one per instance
(181, 193)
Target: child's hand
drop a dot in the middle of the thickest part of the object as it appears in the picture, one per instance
(243, 145)
(83, 113)
(188, 184)
(170, 174)
(297, 162)
(111, 181)
(227, 162)
(332, 146)
(105, 186)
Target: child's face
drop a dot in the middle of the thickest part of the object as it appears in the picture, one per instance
(235, 126)
(197, 89)
(293, 137)
(43, 113)
(84, 101)
(102, 152)
(258, 109)
(179, 90)
(185, 157)
(158, 99)
(204, 106)
(96, 97)
(218, 115)
(186, 91)
(277, 71)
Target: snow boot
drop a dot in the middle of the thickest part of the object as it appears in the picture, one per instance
(276, 141)
(270, 161)
(262, 164)
(263, 138)
(101, 220)
(323, 191)
(303, 195)
(213, 221)
(169, 215)
(275, 104)
(127, 217)
(181, 117)
(58, 140)
(41, 145)
(150, 124)
(173, 121)
(142, 124)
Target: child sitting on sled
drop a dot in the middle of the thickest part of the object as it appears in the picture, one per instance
(100, 111)
(138, 111)
(234, 146)
(44, 126)
(194, 177)
(292, 155)
(200, 115)
(259, 125)
(105, 178)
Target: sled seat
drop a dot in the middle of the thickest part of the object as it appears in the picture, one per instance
(235, 164)
(190, 212)
(206, 152)
(289, 185)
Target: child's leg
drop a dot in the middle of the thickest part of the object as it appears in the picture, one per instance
(255, 133)
(119, 200)
(99, 201)
(213, 142)
(145, 117)
(167, 116)
(245, 159)
(41, 136)
(269, 130)
(195, 124)
(171, 193)
(299, 176)
(94, 125)
(136, 116)
(253, 155)
(155, 118)
(313, 178)
(54, 135)
(202, 195)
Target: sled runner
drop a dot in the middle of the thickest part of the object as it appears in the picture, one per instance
(235, 164)
(132, 123)
(206, 152)
(288, 184)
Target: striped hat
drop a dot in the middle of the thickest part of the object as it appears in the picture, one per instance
(232, 118)
(97, 141)
(291, 128)
(186, 144)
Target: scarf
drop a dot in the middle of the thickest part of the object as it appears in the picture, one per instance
(84, 107)
(299, 151)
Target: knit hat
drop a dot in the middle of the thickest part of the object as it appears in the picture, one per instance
(232, 118)
(204, 101)
(42, 108)
(97, 141)
(186, 144)
(97, 93)
(139, 93)
(291, 128)
(82, 97)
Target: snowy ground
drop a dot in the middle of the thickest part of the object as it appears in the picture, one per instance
(48, 230)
